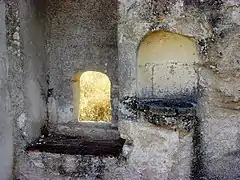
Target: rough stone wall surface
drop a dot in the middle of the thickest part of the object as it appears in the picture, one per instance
(6, 139)
(4, 63)
(35, 78)
(36, 165)
(219, 79)
(26, 77)
(153, 146)
(215, 27)
(15, 75)
(150, 152)
(156, 153)
(83, 37)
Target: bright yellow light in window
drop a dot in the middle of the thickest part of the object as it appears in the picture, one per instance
(94, 97)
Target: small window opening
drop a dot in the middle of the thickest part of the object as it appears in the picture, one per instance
(91, 91)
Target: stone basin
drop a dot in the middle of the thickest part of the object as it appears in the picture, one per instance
(171, 113)
(167, 107)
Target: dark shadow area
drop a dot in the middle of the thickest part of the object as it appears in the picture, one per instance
(197, 167)
(172, 113)
(77, 145)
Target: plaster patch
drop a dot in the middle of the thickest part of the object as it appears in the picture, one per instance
(70, 163)
(166, 65)
(65, 114)
(236, 16)
(38, 164)
(22, 120)
(16, 36)
(52, 110)
(35, 100)
(232, 2)
(127, 149)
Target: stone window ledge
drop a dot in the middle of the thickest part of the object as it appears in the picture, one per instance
(83, 138)
(90, 130)
(76, 145)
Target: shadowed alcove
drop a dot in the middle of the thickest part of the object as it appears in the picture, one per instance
(82, 116)
(166, 65)
(166, 81)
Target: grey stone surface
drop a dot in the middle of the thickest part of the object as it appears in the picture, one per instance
(156, 151)
(83, 37)
(93, 130)
(26, 76)
(6, 138)
(34, 55)
(48, 41)
(36, 165)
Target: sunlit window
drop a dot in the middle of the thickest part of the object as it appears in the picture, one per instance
(91, 91)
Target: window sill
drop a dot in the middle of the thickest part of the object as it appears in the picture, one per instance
(62, 144)
(89, 130)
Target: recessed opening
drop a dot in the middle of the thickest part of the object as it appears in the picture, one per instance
(86, 97)
(166, 80)
(92, 96)
(166, 65)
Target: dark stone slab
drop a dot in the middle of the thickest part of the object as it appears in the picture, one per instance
(170, 113)
(76, 145)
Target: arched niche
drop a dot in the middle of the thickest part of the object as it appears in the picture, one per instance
(165, 65)
(91, 96)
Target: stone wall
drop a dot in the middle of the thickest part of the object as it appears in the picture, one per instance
(26, 75)
(35, 68)
(61, 166)
(6, 139)
(82, 37)
(210, 150)
(219, 79)
(214, 25)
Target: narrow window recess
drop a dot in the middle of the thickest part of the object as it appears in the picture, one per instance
(92, 111)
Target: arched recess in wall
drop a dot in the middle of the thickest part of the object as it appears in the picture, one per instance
(91, 96)
(165, 64)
